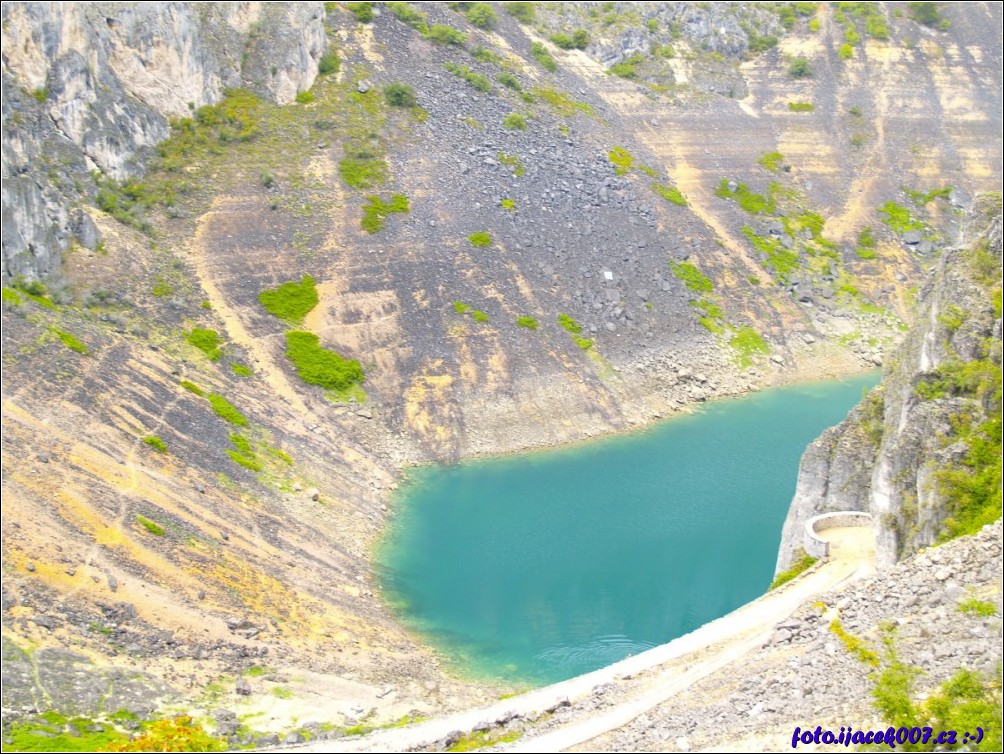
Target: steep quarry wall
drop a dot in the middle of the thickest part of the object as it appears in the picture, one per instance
(91, 87)
(885, 458)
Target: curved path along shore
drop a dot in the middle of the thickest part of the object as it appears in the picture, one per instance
(651, 677)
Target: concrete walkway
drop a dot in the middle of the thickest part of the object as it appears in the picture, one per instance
(712, 647)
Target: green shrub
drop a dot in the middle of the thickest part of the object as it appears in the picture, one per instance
(479, 316)
(362, 11)
(508, 80)
(41, 94)
(409, 15)
(579, 40)
(460, 307)
(845, 52)
(801, 563)
(241, 370)
(484, 55)
(692, 277)
(569, 324)
(70, 340)
(748, 200)
(528, 322)
(151, 526)
(305, 97)
(854, 644)
(291, 301)
(928, 14)
(561, 103)
(801, 107)
(542, 56)
(523, 12)
(207, 341)
(480, 239)
(482, 15)
(399, 95)
(156, 443)
(12, 297)
(748, 343)
(319, 366)
(781, 261)
(226, 410)
(480, 82)
(515, 122)
(584, 343)
(192, 387)
(329, 63)
(508, 204)
(626, 69)
(670, 193)
(800, 68)
(376, 212)
(445, 35)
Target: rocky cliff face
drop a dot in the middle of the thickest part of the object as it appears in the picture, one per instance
(91, 87)
(890, 457)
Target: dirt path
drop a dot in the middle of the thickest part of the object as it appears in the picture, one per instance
(665, 670)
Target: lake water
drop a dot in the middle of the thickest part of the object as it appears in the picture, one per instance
(538, 567)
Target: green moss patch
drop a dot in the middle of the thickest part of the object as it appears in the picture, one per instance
(378, 210)
(207, 341)
(226, 410)
(291, 301)
(316, 365)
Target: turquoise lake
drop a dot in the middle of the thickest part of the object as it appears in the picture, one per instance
(538, 567)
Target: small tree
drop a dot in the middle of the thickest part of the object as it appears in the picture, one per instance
(482, 16)
(399, 95)
(800, 68)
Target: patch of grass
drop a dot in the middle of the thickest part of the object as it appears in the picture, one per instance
(977, 607)
(802, 563)
(483, 739)
(192, 388)
(584, 343)
(319, 366)
(748, 200)
(151, 526)
(845, 51)
(376, 212)
(362, 172)
(772, 161)
(898, 218)
(162, 288)
(257, 671)
(692, 277)
(11, 297)
(512, 161)
(248, 462)
(508, 204)
(408, 14)
(561, 103)
(479, 316)
(866, 244)
(801, 107)
(291, 301)
(543, 57)
(305, 97)
(569, 324)
(528, 322)
(207, 341)
(48, 734)
(779, 260)
(854, 644)
(482, 15)
(622, 160)
(922, 199)
(478, 81)
(226, 410)
(578, 40)
(481, 239)
(748, 343)
(156, 443)
(515, 122)
(711, 316)
(671, 194)
(70, 340)
(41, 94)
(34, 290)
(460, 307)
(241, 370)
(177, 734)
